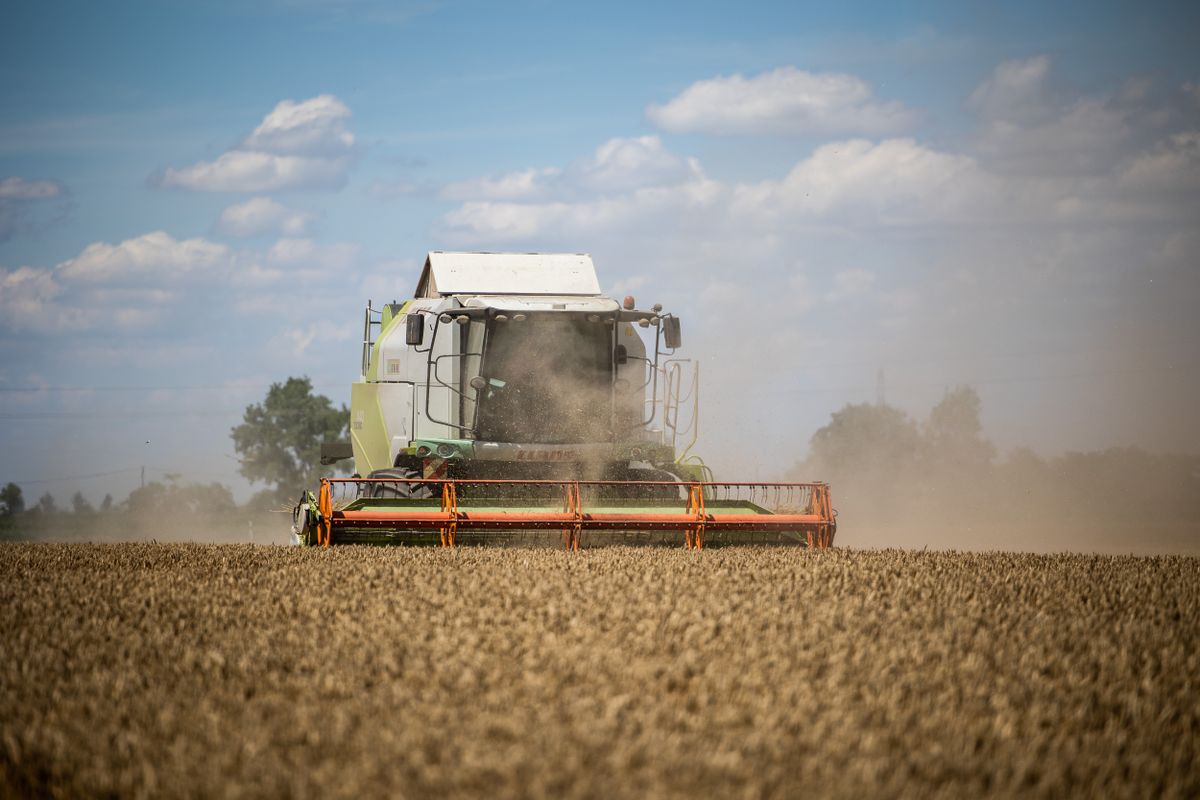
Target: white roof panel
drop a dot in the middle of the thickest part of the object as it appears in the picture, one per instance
(507, 273)
(509, 302)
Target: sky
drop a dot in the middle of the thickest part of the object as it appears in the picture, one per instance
(840, 200)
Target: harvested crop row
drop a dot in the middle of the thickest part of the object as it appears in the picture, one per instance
(239, 670)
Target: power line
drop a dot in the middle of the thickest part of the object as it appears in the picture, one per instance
(109, 473)
(198, 387)
(994, 381)
(947, 356)
(18, 416)
(89, 476)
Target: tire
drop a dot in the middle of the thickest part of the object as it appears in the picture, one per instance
(302, 533)
(398, 490)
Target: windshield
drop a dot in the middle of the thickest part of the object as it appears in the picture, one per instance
(549, 380)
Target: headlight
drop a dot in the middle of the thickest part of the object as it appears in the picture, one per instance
(445, 450)
(422, 451)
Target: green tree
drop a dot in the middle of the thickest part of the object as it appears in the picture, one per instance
(175, 498)
(954, 442)
(12, 500)
(865, 438)
(46, 504)
(867, 452)
(80, 505)
(106, 503)
(279, 440)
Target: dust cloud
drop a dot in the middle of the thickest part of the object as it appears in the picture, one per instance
(937, 482)
(180, 526)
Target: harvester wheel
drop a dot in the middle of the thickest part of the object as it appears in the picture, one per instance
(400, 488)
(303, 532)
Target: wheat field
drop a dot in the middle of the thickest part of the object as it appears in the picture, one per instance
(146, 670)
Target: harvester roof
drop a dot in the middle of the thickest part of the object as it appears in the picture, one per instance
(507, 273)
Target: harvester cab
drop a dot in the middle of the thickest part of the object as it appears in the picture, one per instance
(509, 397)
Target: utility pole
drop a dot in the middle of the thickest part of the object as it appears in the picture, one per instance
(143, 476)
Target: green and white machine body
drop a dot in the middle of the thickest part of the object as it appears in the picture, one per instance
(515, 365)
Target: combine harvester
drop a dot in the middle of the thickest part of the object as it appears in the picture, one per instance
(511, 400)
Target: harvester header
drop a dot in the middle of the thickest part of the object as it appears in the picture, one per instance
(510, 397)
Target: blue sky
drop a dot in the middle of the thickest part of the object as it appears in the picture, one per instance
(197, 199)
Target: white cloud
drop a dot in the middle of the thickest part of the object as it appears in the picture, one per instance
(146, 280)
(26, 204)
(1014, 90)
(893, 183)
(621, 182)
(290, 262)
(16, 188)
(303, 145)
(784, 101)
(154, 256)
(1172, 166)
(315, 127)
(262, 215)
(517, 185)
(109, 286)
(39, 301)
(1036, 161)
(856, 183)
(27, 298)
(481, 221)
(485, 221)
(245, 171)
(618, 165)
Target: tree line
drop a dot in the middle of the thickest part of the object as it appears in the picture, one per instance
(888, 468)
(278, 444)
(12, 502)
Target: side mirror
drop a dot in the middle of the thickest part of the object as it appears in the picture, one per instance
(414, 330)
(671, 333)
